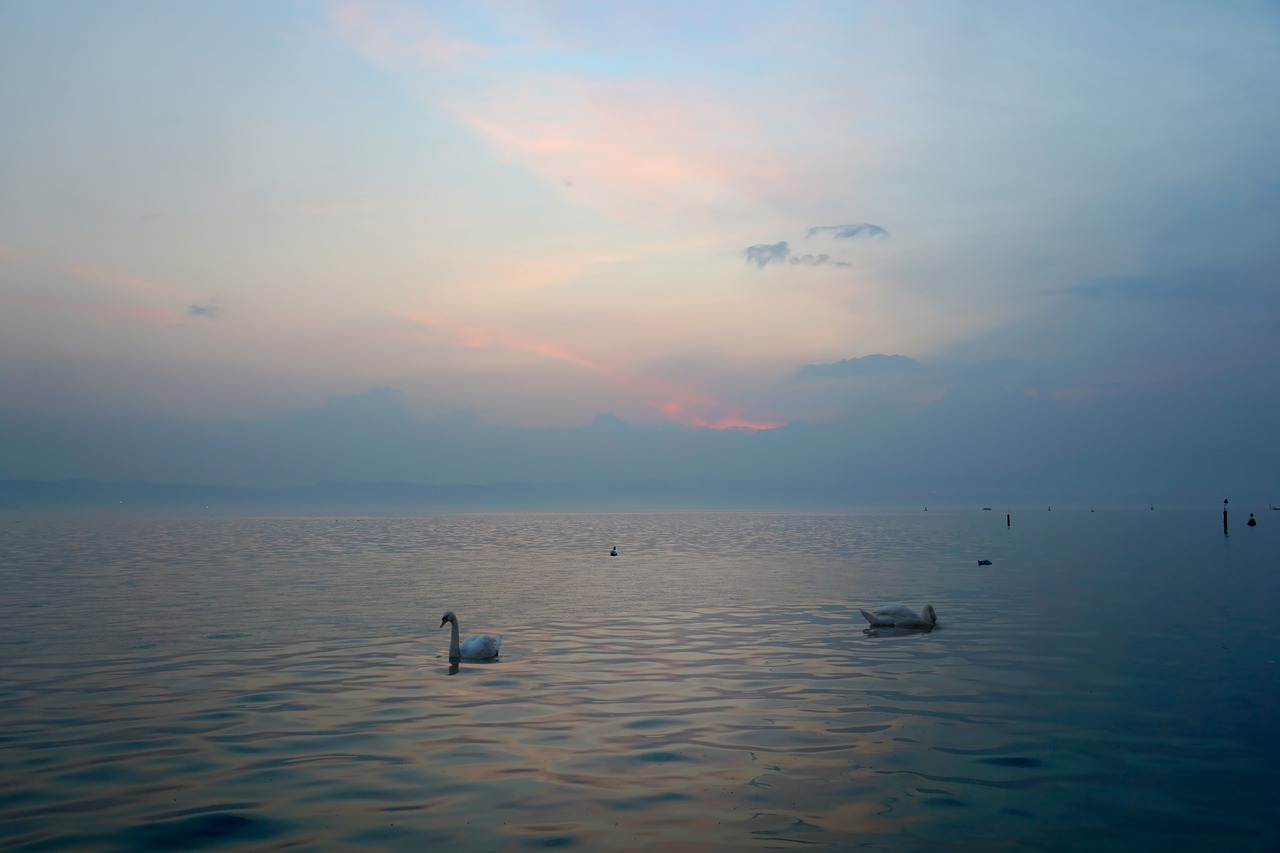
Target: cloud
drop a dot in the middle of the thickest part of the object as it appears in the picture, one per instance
(868, 365)
(632, 144)
(209, 311)
(763, 253)
(845, 232)
(1217, 286)
(679, 400)
(393, 34)
(823, 260)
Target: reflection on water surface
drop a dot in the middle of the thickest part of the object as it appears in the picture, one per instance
(264, 683)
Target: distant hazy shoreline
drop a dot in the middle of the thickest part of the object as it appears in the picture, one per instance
(82, 494)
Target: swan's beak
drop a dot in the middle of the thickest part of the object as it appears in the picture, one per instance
(444, 622)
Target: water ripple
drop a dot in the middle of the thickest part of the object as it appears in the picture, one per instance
(693, 706)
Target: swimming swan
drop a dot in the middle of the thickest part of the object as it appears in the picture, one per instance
(900, 616)
(477, 647)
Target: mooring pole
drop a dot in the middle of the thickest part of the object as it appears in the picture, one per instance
(1224, 518)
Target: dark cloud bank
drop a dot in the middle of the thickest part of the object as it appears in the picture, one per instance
(868, 365)
(973, 447)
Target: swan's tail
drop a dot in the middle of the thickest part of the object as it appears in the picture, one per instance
(870, 617)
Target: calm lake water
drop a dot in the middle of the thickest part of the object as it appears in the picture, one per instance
(1109, 682)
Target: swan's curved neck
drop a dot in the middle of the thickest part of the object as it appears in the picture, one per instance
(455, 651)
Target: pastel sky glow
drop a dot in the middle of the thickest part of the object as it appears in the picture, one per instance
(707, 215)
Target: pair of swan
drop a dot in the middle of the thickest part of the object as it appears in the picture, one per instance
(485, 646)
(475, 647)
(900, 616)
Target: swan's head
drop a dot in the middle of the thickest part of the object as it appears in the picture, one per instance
(930, 614)
(447, 618)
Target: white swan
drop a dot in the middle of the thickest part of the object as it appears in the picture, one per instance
(900, 616)
(476, 647)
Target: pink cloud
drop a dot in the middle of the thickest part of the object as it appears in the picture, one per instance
(163, 304)
(476, 337)
(393, 34)
(678, 402)
(148, 314)
(741, 423)
(628, 147)
(125, 282)
(632, 145)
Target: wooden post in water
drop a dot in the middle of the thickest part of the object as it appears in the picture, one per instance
(1224, 518)
(1008, 520)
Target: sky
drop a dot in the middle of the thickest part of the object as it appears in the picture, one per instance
(271, 243)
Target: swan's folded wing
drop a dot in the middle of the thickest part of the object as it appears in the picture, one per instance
(896, 613)
(481, 646)
(875, 617)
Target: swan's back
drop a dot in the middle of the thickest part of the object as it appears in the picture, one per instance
(480, 647)
(900, 616)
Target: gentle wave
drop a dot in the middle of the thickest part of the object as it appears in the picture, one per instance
(724, 700)
(704, 728)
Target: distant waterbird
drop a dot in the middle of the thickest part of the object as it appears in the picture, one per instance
(984, 562)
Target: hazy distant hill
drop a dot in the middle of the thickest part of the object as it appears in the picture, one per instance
(578, 495)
